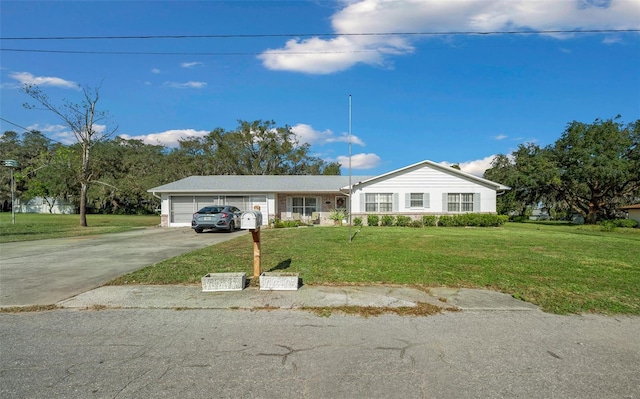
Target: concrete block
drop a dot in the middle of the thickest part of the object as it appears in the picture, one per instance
(223, 282)
(272, 281)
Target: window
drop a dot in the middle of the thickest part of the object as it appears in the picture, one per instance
(460, 202)
(378, 202)
(304, 206)
(417, 200)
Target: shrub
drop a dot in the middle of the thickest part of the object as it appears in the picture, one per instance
(416, 223)
(627, 223)
(280, 224)
(610, 225)
(472, 219)
(403, 221)
(338, 215)
(447, 221)
(387, 220)
(607, 225)
(373, 220)
(429, 220)
(357, 221)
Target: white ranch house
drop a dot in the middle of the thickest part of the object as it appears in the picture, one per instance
(425, 188)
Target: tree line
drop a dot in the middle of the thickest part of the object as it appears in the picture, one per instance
(123, 170)
(592, 169)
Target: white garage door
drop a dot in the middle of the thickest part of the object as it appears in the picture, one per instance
(182, 209)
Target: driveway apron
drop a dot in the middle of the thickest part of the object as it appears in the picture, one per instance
(47, 271)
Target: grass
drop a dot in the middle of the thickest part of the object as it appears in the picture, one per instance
(562, 268)
(31, 226)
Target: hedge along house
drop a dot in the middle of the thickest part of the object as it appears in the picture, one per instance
(425, 188)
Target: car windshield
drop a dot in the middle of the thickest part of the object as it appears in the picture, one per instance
(211, 209)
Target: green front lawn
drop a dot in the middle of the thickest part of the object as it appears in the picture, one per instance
(34, 226)
(562, 268)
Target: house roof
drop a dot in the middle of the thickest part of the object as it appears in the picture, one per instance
(258, 184)
(447, 169)
(636, 206)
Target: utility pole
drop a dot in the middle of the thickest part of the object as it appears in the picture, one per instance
(12, 164)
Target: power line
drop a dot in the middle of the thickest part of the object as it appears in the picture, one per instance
(261, 35)
(31, 131)
(266, 35)
(183, 53)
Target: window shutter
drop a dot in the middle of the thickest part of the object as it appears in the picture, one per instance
(426, 202)
(396, 202)
(363, 204)
(445, 207)
(476, 203)
(407, 200)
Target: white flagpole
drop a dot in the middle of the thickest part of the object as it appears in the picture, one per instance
(350, 189)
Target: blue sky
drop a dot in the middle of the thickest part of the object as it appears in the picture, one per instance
(451, 98)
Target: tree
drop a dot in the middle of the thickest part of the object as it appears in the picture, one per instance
(527, 171)
(598, 166)
(84, 120)
(592, 169)
(261, 148)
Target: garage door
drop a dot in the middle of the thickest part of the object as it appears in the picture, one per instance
(182, 209)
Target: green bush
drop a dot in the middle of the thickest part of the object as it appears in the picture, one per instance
(357, 221)
(338, 215)
(416, 223)
(388, 220)
(610, 225)
(429, 220)
(626, 223)
(403, 221)
(447, 221)
(373, 220)
(281, 224)
(473, 220)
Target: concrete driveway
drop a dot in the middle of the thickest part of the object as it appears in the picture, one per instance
(47, 271)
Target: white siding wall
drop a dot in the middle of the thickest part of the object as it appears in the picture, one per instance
(425, 180)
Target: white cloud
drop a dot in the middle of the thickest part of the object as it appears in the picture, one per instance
(186, 85)
(500, 137)
(318, 55)
(26, 78)
(191, 64)
(155, 70)
(476, 167)
(61, 133)
(360, 161)
(167, 138)
(307, 134)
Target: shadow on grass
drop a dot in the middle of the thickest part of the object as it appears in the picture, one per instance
(285, 264)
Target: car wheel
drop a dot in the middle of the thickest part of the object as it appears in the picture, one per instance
(198, 231)
(232, 227)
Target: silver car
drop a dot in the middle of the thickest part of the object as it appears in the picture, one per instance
(216, 217)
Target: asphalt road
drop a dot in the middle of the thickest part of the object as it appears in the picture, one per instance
(163, 353)
(47, 271)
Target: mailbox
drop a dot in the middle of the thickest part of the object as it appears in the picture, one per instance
(251, 220)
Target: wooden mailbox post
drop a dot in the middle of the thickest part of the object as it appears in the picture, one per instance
(252, 220)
